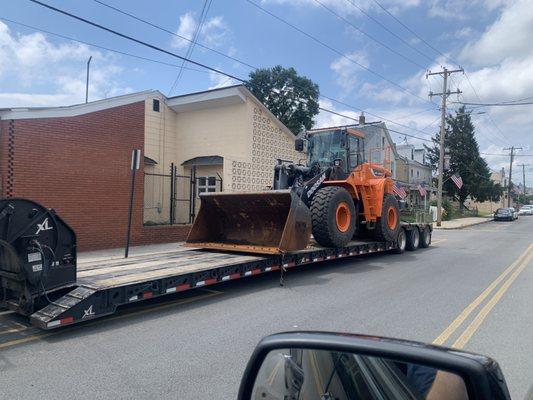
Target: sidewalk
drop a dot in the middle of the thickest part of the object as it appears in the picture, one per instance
(462, 222)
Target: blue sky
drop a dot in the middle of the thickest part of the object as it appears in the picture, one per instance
(489, 38)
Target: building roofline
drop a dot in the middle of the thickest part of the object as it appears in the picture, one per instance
(75, 109)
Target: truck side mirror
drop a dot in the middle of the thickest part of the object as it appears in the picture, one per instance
(299, 144)
(285, 365)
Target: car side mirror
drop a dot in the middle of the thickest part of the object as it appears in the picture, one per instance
(299, 144)
(316, 365)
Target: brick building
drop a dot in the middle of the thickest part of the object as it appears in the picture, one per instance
(76, 159)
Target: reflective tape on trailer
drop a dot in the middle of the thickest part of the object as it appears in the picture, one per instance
(178, 288)
(206, 282)
(60, 322)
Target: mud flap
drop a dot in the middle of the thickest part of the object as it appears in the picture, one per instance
(270, 222)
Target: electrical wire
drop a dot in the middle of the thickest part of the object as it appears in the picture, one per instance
(99, 46)
(389, 31)
(333, 49)
(369, 35)
(130, 38)
(153, 25)
(196, 35)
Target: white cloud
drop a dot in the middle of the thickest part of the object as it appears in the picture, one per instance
(346, 71)
(219, 80)
(509, 36)
(53, 73)
(214, 32)
(462, 10)
(344, 7)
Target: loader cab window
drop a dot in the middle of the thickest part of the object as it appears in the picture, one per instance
(356, 151)
(325, 147)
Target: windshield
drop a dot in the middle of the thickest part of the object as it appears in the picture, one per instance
(324, 147)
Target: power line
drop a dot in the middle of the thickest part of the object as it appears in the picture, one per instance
(135, 40)
(413, 32)
(210, 68)
(368, 35)
(373, 114)
(343, 55)
(221, 72)
(98, 46)
(389, 31)
(196, 35)
(153, 25)
(492, 104)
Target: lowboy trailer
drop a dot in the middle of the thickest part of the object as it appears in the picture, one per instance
(41, 278)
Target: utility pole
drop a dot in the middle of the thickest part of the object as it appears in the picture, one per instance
(524, 177)
(87, 83)
(511, 158)
(444, 95)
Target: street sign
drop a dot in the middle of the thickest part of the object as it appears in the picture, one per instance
(135, 159)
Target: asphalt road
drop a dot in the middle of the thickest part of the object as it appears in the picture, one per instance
(196, 345)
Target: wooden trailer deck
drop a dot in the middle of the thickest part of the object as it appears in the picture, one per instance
(128, 271)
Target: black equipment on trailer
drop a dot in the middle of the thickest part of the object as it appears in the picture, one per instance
(37, 255)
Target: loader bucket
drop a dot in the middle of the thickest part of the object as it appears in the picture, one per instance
(269, 222)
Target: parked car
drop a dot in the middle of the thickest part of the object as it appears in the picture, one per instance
(526, 210)
(515, 213)
(504, 214)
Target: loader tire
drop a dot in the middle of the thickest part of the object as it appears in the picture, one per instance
(333, 216)
(388, 225)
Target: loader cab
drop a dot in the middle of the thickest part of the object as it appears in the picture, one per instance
(342, 148)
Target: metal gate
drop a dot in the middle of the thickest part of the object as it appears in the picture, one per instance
(174, 198)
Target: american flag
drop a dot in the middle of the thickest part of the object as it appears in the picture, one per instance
(399, 190)
(422, 189)
(457, 180)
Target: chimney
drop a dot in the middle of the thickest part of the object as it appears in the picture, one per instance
(362, 118)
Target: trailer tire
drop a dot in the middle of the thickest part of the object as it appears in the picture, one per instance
(401, 242)
(425, 238)
(333, 216)
(413, 239)
(388, 225)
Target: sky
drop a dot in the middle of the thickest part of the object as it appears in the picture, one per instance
(355, 50)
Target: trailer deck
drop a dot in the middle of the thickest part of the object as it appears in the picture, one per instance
(103, 286)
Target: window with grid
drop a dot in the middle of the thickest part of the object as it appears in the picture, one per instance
(207, 184)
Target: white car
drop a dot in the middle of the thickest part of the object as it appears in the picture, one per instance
(526, 210)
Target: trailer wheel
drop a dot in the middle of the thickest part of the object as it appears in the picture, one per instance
(333, 216)
(425, 237)
(413, 239)
(388, 225)
(401, 242)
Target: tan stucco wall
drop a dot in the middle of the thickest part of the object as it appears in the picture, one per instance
(245, 135)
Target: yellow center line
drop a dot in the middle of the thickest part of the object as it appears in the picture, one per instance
(478, 320)
(472, 306)
(438, 241)
(115, 318)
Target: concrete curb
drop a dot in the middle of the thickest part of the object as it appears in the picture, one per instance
(463, 226)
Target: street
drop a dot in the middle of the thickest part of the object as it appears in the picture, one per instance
(471, 288)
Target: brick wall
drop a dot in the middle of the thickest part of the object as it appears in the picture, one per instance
(80, 166)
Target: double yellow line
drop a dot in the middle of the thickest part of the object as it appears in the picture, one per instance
(511, 273)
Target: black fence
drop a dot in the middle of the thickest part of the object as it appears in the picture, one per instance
(174, 198)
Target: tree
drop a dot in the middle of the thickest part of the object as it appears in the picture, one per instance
(293, 99)
(465, 160)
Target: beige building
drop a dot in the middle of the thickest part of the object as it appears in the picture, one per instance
(227, 137)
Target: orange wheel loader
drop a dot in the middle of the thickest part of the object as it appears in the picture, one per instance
(334, 196)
